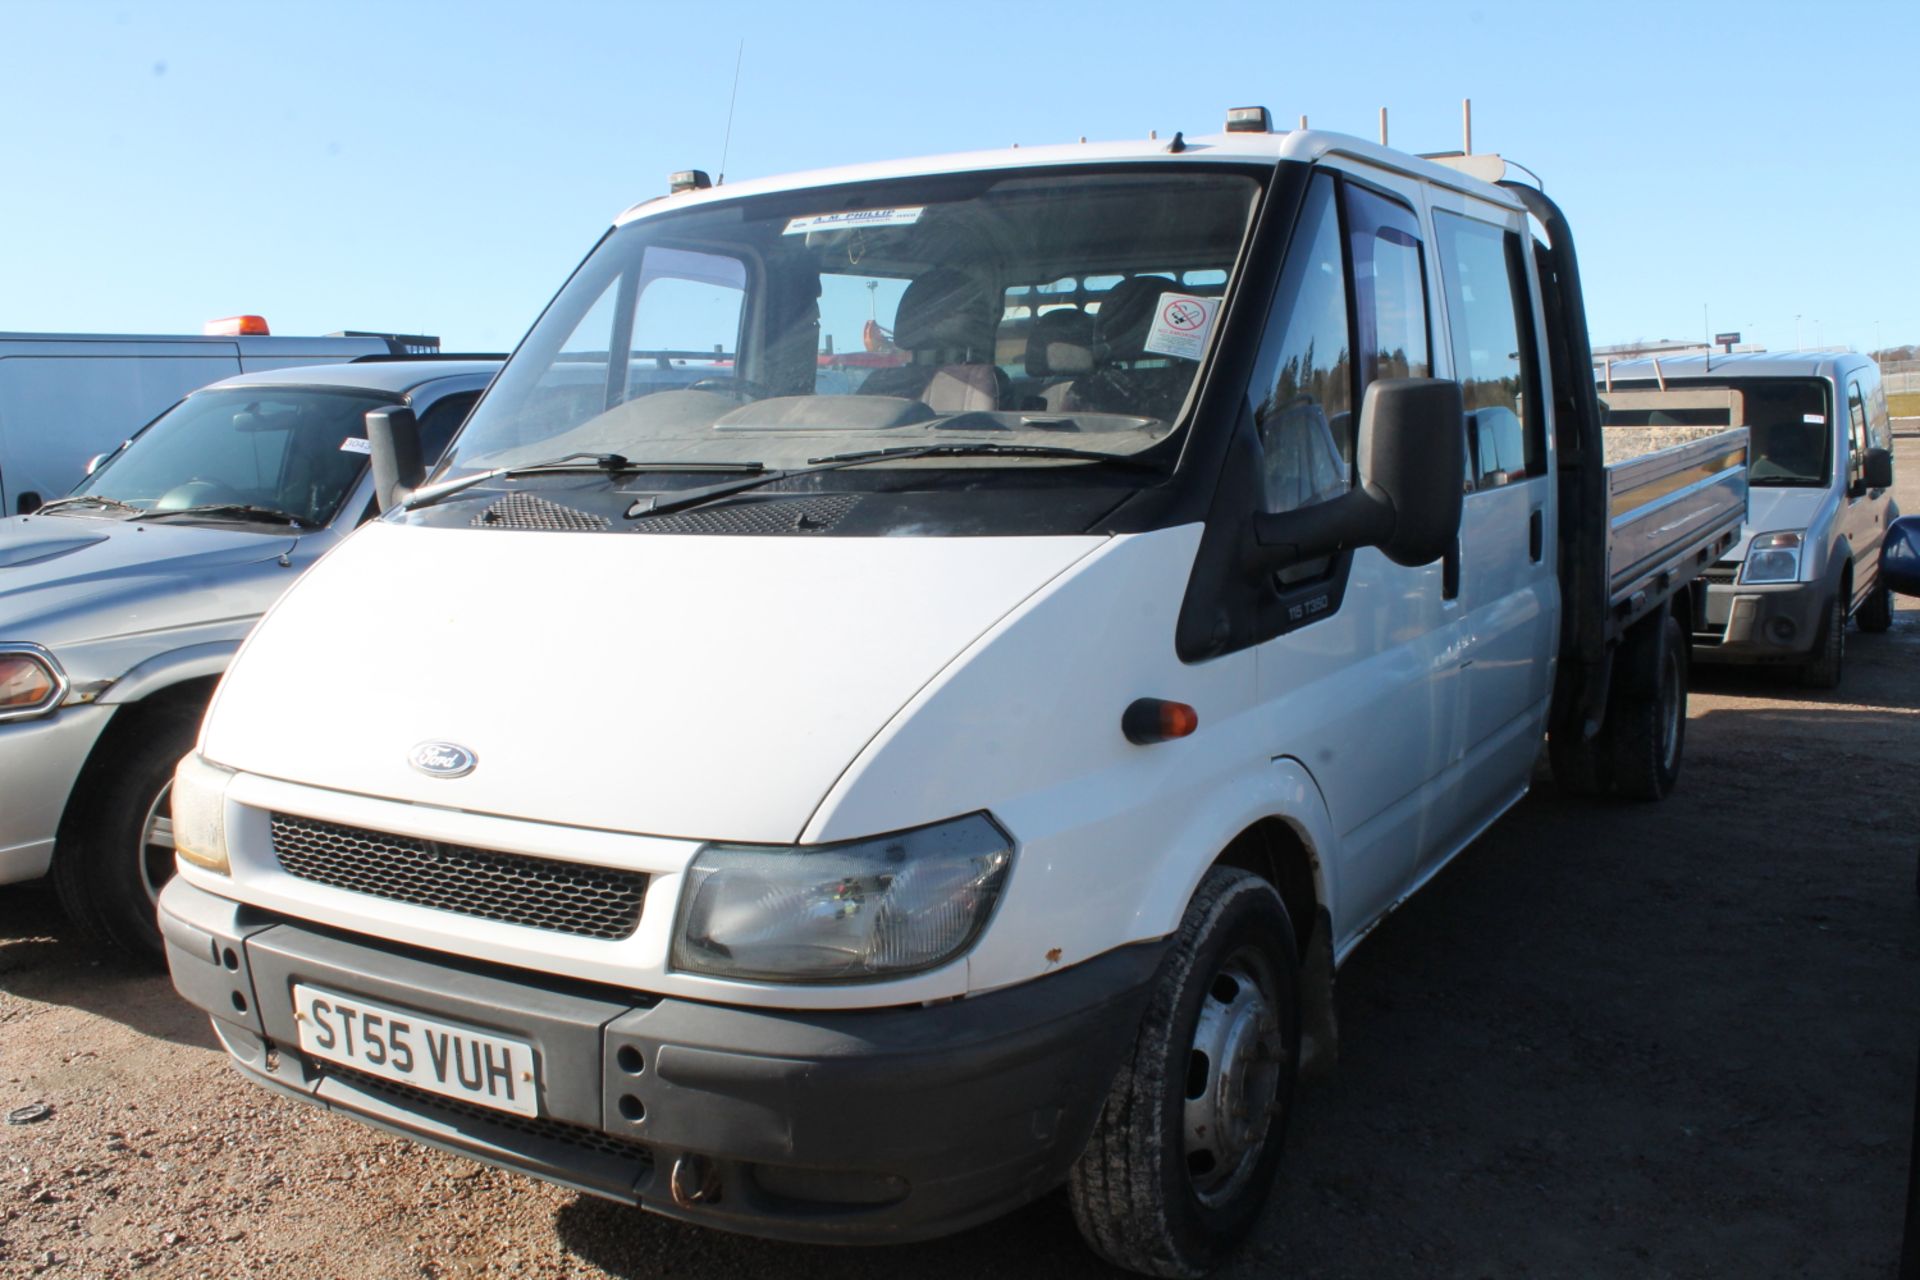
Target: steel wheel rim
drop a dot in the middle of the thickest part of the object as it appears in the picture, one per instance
(1670, 694)
(1234, 1070)
(156, 844)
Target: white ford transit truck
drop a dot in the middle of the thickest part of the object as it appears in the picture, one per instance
(842, 801)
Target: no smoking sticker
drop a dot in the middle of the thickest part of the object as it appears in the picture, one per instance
(1181, 322)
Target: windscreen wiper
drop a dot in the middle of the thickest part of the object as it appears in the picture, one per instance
(611, 463)
(239, 510)
(98, 500)
(833, 462)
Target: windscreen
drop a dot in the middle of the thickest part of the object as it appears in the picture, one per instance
(287, 449)
(1058, 309)
(1787, 420)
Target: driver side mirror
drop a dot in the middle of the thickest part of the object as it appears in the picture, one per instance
(393, 441)
(93, 463)
(1412, 452)
(1877, 469)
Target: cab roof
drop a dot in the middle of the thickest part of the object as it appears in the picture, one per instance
(1740, 364)
(1261, 149)
(397, 377)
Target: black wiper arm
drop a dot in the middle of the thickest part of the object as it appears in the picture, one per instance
(833, 462)
(96, 499)
(244, 510)
(611, 463)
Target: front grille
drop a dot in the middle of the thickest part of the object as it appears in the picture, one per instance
(415, 1099)
(1721, 574)
(540, 893)
(760, 515)
(528, 511)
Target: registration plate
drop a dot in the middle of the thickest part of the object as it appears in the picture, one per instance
(446, 1058)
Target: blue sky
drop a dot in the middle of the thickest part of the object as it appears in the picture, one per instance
(440, 167)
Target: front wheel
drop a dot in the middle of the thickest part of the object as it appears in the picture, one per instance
(1187, 1144)
(1829, 660)
(117, 853)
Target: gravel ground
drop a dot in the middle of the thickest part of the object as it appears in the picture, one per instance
(1673, 1040)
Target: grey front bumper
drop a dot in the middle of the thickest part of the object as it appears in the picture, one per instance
(1760, 623)
(863, 1126)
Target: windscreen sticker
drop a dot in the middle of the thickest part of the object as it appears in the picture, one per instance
(1817, 419)
(851, 218)
(1181, 322)
(354, 444)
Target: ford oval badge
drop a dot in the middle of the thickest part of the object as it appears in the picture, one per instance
(442, 759)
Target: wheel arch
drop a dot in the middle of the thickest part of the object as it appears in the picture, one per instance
(130, 719)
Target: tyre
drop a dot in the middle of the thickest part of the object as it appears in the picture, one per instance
(117, 851)
(1186, 1146)
(1647, 725)
(1876, 614)
(1824, 669)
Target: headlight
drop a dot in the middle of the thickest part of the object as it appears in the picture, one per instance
(200, 813)
(31, 682)
(853, 912)
(1772, 557)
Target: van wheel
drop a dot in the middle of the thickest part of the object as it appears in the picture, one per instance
(116, 855)
(1877, 613)
(1187, 1143)
(1648, 730)
(1829, 660)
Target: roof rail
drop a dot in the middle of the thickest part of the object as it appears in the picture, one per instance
(393, 356)
(400, 344)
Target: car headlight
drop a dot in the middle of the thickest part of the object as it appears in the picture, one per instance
(31, 682)
(853, 912)
(1773, 557)
(200, 813)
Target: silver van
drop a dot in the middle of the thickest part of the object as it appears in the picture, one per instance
(68, 397)
(1821, 497)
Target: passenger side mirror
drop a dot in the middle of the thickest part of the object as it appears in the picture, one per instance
(1878, 469)
(393, 440)
(1412, 452)
(1900, 556)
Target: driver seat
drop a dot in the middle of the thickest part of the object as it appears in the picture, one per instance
(946, 320)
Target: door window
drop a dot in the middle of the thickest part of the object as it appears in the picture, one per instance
(1856, 434)
(1303, 379)
(1389, 287)
(1489, 319)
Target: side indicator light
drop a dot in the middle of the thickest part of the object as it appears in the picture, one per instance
(1149, 720)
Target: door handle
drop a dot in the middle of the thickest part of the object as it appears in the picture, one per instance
(1537, 534)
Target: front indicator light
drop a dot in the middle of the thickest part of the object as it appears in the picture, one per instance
(31, 682)
(200, 814)
(856, 912)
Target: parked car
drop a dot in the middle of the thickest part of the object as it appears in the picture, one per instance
(1822, 474)
(67, 397)
(847, 816)
(121, 604)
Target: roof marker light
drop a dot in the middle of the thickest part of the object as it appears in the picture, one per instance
(688, 180)
(236, 327)
(1249, 120)
(1150, 720)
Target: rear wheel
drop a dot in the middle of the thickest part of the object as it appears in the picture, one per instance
(1824, 669)
(1647, 727)
(1877, 613)
(117, 853)
(1185, 1150)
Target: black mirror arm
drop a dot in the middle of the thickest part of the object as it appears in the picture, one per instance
(1358, 518)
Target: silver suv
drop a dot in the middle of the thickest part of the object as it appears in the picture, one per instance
(1820, 500)
(121, 604)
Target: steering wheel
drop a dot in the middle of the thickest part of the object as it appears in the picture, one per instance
(197, 491)
(739, 388)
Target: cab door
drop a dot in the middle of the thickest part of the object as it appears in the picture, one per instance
(1863, 515)
(1509, 590)
(1361, 683)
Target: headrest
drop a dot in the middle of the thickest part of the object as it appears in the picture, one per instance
(946, 311)
(1126, 314)
(1060, 342)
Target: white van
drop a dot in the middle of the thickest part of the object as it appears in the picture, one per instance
(68, 397)
(844, 813)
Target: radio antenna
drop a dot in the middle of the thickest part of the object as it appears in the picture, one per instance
(732, 98)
